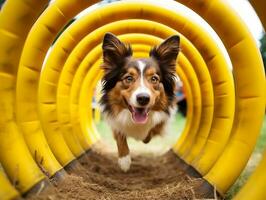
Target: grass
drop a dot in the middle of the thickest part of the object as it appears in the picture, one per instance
(261, 143)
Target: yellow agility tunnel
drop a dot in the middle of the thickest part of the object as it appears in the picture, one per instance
(48, 73)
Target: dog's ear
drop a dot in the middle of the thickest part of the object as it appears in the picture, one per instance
(115, 52)
(166, 53)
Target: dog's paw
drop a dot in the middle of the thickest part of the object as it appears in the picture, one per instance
(124, 162)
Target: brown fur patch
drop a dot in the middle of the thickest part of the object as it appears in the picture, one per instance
(121, 142)
(116, 100)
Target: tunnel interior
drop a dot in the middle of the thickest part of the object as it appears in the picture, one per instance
(50, 57)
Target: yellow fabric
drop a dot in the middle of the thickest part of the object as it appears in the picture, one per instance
(15, 150)
(7, 191)
(52, 104)
(249, 82)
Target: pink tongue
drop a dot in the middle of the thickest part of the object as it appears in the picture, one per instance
(140, 117)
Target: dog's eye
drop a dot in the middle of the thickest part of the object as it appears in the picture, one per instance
(129, 79)
(154, 79)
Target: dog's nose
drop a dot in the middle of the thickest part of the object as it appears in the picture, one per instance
(143, 99)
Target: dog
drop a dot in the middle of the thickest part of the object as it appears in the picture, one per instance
(138, 97)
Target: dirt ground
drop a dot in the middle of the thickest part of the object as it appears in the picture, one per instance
(99, 177)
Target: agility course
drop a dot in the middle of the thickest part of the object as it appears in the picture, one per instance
(46, 122)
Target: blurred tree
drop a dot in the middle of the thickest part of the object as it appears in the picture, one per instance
(1, 3)
(263, 50)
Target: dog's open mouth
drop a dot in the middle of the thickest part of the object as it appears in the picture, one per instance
(139, 115)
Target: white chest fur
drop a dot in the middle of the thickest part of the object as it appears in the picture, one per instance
(124, 124)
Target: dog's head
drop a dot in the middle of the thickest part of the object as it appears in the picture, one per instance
(140, 85)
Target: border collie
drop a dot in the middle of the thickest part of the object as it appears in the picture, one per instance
(138, 93)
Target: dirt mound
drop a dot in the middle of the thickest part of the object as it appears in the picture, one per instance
(149, 177)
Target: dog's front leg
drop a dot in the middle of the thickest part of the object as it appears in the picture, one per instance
(124, 159)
